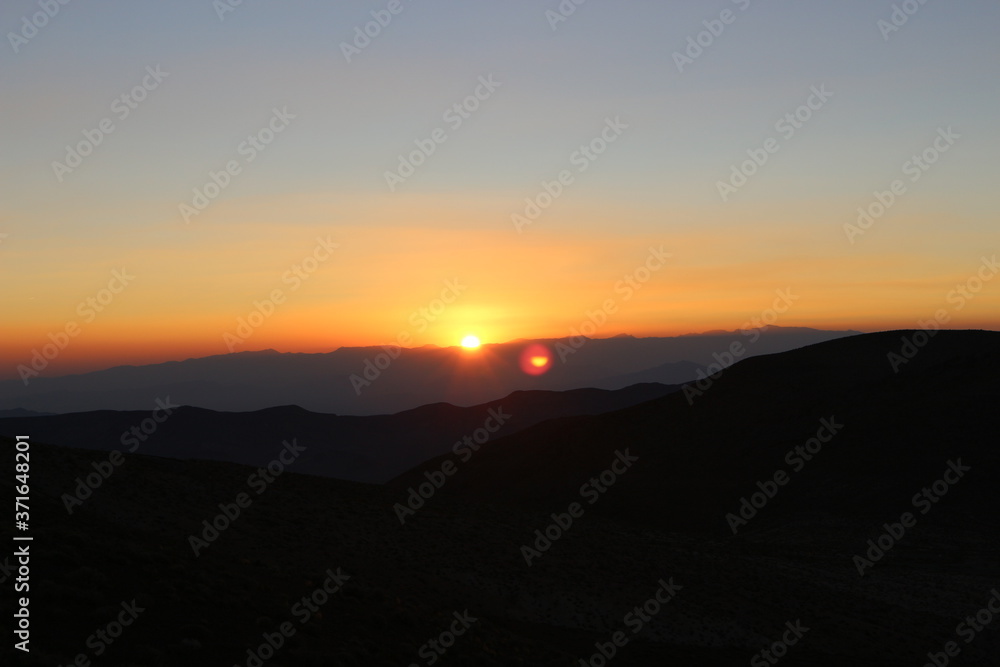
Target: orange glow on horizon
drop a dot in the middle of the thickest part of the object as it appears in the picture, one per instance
(712, 281)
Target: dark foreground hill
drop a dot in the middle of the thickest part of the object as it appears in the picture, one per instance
(854, 438)
(362, 449)
(788, 583)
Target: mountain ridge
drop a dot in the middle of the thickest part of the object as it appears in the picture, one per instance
(370, 448)
(702, 450)
(373, 380)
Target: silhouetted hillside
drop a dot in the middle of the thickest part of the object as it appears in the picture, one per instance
(366, 449)
(494, 541)
(703, 449)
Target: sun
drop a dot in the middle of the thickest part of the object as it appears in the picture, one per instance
(471, 342)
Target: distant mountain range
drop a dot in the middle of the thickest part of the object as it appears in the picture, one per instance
(364, 449)
(376, 380)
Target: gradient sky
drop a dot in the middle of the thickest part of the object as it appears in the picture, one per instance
(324, 174)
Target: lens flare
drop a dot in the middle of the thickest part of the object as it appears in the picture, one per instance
(536, 359)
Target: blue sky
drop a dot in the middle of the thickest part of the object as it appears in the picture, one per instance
(352, 121)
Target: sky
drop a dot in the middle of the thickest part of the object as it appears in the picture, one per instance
(192, 178)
